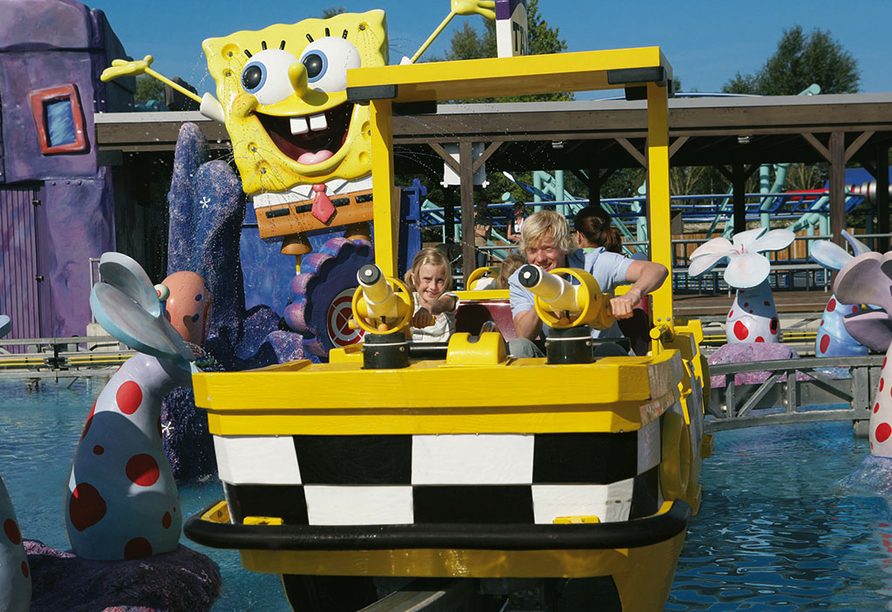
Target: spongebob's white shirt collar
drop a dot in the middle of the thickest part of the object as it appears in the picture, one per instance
(301, 193)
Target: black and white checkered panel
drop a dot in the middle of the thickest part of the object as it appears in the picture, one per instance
(404, 479)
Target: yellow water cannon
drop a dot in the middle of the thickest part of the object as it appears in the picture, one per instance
(560, 304)
(377, 308)
(383, 308)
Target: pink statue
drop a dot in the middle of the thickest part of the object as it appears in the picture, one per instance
(753, 316)
(867, 279)
(122, 500)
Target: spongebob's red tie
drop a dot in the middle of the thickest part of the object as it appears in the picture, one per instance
(322, 206)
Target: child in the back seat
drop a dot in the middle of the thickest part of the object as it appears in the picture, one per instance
(429, 280)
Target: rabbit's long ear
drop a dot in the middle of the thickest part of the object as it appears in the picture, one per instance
(126, 305)
(864, 281)
(873, 329)
(829, 254)
(858, 247)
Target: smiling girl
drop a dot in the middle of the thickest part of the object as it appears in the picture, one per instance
(430, 279)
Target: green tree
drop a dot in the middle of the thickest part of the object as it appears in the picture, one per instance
(799, 61)
(332, 11)
(147, 89)
(468, 43)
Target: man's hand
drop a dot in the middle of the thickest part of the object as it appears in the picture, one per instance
(622, 306)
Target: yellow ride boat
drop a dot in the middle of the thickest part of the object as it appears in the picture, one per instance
(390, 462)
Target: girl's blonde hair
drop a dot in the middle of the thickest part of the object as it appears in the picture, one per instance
(537, 226)
(434, 257)
(511, 263)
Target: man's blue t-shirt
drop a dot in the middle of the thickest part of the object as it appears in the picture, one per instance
(609, 269)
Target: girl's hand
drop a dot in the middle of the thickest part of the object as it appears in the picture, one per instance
(422, 318)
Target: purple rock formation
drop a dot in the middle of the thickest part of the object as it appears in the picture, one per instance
(180, 580)
(207, 207)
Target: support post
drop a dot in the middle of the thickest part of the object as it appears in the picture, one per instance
(837, 187)
(658, 196)
(466, 161)
(385, 211)
(882, 177)
(738, 184)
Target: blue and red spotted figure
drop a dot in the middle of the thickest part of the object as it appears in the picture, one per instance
(832, 339)
(122, 500)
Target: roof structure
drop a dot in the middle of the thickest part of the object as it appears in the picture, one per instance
(736, 134)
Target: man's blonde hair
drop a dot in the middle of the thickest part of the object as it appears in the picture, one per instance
(537, 227)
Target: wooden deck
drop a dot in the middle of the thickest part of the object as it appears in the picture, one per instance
(809, 303)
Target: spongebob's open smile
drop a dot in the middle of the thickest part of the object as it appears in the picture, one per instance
(309, 139)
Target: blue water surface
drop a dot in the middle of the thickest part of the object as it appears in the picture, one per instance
(777, 529)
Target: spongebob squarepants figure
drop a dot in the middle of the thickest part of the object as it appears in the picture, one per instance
(302, 150)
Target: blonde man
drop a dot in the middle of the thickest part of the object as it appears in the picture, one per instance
(547, 242)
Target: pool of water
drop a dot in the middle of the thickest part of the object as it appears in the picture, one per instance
(776, 529)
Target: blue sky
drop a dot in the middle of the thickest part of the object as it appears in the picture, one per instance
(706, 41)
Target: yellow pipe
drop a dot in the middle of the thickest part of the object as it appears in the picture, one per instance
(433, 36)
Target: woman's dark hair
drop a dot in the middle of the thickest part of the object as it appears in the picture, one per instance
(594, 225)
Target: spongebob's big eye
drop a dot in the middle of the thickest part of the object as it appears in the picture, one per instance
(327, 61)
(266, 76)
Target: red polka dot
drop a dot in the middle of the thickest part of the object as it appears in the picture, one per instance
(876, 408)
(825, 343)
(98, 450)
(822, 322)
(884, 430)
(25, 571)
(774, 325)
(740, 330)
(143, 470)
(882, 383)
(746, 304)
(751, 312)
(137, 548)
(831, 305)
(12, 531)
(86, 506)
(731, 314)
(166, 520)
(129, 397)
(854, 309)
(89, 421)
(768, 303)
(760, 339)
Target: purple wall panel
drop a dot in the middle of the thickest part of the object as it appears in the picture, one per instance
(44, 24)
(20, 73)
(18, 261)
(79, 225)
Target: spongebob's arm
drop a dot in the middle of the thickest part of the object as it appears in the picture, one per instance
(210, 108)
(459, 7)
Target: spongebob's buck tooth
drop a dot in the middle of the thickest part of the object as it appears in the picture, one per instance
(299, 125)
(318, 122)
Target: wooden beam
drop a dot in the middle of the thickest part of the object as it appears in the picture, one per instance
(493, 146)
(857, 144)
(882, 178)
(837, 187)
(634, 152)
(450, 161)
(738, 183)
(677, 144)
(818, 146)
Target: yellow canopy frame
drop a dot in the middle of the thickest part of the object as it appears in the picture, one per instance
(643, 69)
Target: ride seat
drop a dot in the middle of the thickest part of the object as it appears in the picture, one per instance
(470, 317)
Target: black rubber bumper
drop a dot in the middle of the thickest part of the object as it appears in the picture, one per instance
(587, 536)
